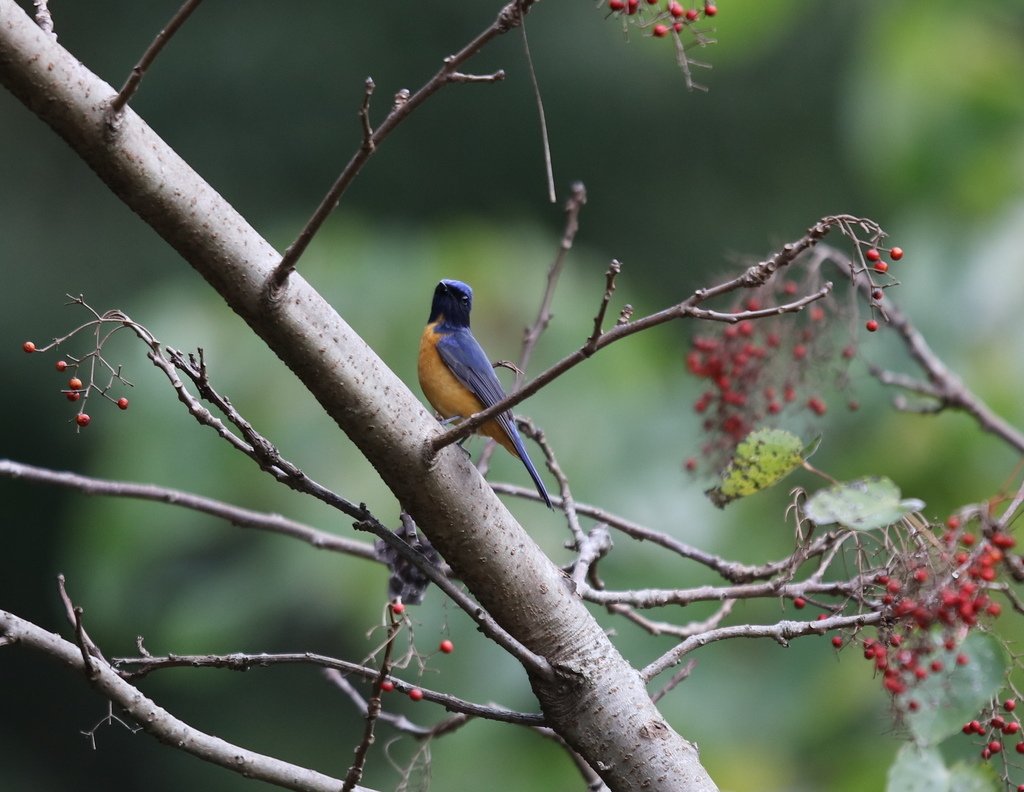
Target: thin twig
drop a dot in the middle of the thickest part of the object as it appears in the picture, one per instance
(545, 143)
(373, 708)
(240, 661)
(781, 632)
(573, 206)
(131, 85)
(656, 598)
(679, 676)
(609, 290)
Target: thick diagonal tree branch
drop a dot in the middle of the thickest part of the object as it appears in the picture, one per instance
(591, 697)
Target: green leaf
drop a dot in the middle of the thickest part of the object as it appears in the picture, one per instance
(948, 699)
(761, 459)
(918, 770)
(866, 503)
(811, 447)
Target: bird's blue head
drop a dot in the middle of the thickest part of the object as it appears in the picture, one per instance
(453, 300)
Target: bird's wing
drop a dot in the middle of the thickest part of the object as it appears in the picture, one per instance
(467, 360)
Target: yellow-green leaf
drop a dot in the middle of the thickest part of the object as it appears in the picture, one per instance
(762, 458)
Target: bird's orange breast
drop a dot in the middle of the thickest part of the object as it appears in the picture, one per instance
(442, 388)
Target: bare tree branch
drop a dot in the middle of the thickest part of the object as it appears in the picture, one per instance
(781, 632)
(239, 661)
(161, 724)
(236, 515)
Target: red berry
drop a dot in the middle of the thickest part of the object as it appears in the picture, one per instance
(122, 403)
(995, 746)
(881, 266)
(616, 5)
(816, 406)
(1020, 747)
(873, 255)
(416, 694)
(29, 347)
(397, 607)
(660, 31)
(82, 419)
(75, 383)
(61, 365)
(953, 522)
(837, 641)
(1010, 705)
(675, 9)
(877, 295)
(387, 686)
(73, 396)
(677, 27)
(710, 9)
(799, 603)
(446, 646)
(962, 659)
(871, 325)
(1011, 728)
(691, 464)
(896, 253)
(920, 574)
(632, 5)
(799, 352)
(692, 14)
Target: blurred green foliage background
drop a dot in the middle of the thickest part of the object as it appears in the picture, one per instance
(909, 113)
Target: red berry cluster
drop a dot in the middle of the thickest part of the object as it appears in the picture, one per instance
(945, 591)
(77, 390)
(876, 264)
(997, 722)
(672, 18)
(756, 368)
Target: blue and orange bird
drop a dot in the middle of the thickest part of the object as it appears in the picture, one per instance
(456, 375)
